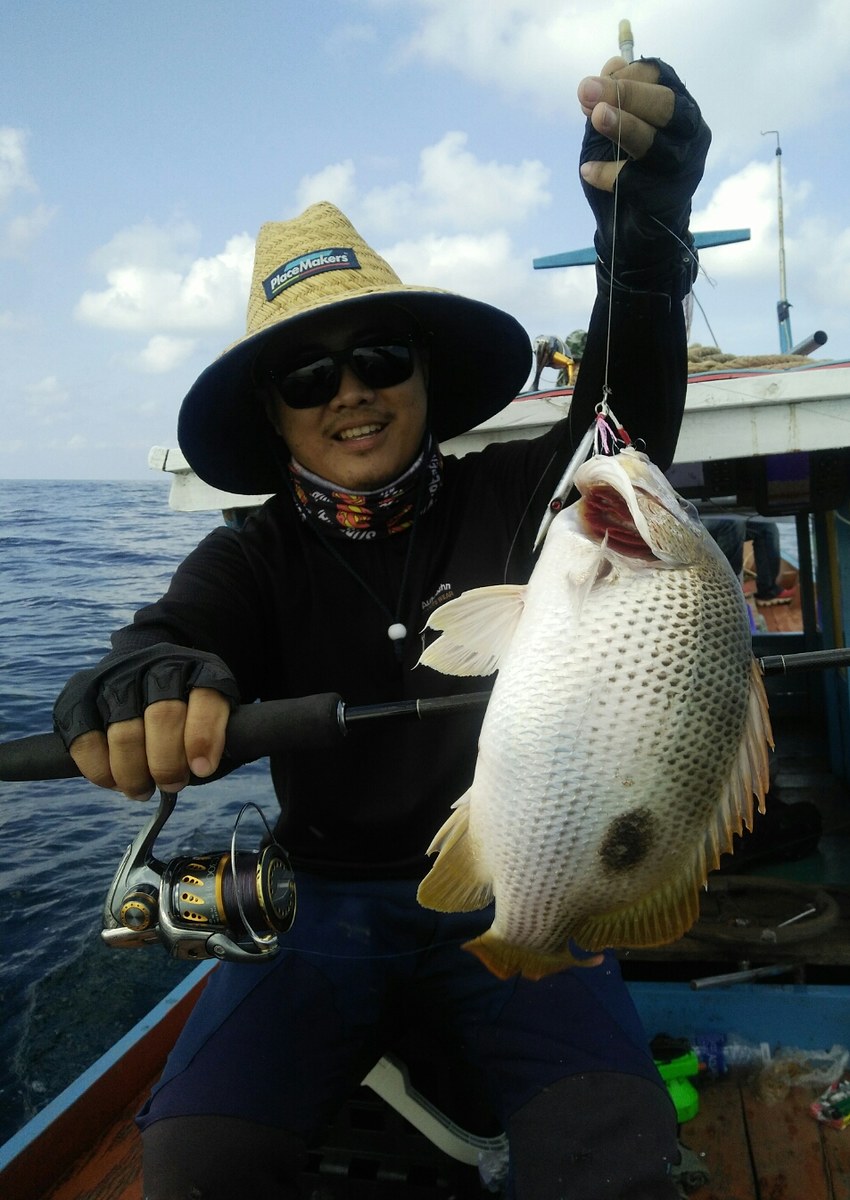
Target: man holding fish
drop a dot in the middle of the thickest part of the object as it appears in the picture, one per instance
(336, 400)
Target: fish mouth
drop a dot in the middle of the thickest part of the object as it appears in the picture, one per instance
(608, 518)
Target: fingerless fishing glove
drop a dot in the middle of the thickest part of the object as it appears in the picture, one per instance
(123, 684)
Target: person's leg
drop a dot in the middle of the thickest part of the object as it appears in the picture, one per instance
(766, 553)
(765, 538)
(566, 1064)
(602, 1136)
(728, 532)
(220, 1158)
(270, 1054)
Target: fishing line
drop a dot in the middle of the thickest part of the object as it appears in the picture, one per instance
(606, 391)
(375, 957)
(605, 435)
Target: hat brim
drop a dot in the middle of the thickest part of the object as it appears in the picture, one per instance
(479, 358)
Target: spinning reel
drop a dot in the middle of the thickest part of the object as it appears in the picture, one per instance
(221, 905)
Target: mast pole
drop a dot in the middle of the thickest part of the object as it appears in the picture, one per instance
(783, 307)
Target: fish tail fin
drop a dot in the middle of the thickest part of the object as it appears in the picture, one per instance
(456, 882)
(503, 959)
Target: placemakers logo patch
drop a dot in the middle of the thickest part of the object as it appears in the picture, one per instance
(335, 258)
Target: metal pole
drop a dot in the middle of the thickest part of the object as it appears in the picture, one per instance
(783, 308)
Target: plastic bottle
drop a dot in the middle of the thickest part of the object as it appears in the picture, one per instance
(721, 1053)
(493, 1164)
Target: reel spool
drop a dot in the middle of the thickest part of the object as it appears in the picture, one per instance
(227, 905)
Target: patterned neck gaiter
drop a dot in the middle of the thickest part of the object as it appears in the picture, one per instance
(364, 516)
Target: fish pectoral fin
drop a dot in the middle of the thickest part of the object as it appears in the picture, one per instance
(456, 882)
(476, 628)
(503, 959)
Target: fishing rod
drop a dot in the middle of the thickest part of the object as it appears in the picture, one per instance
(322, 721)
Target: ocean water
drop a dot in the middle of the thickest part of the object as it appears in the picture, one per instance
(76, 560)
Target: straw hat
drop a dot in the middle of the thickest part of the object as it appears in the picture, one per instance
(479, 356)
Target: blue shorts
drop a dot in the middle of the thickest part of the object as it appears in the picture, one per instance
(284, 1043)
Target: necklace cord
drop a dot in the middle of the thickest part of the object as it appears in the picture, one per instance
(393, 618)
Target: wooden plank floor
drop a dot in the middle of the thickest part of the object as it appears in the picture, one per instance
(756, 1150)
(113, 1170)
(752, 1149)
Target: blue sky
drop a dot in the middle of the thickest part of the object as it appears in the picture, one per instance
(143, 144)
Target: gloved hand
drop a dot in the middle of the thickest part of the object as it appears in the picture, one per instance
(664, 140)
(147, 718)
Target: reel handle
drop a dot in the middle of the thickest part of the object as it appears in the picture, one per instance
(253, 731)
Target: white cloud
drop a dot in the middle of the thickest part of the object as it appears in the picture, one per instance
(334, 182)
(19, 232)
(461, 190)
(453, 190)
(151, 288)
(20, 228)
(155, 247)
(464, 263)
(538, 50)
(14, 172)
(163, 353)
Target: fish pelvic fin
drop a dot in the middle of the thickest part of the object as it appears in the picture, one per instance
(476, 628)
(668, 912)
(457, 881)
(503, 959)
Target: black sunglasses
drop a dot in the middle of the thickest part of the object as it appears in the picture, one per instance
(379, 363)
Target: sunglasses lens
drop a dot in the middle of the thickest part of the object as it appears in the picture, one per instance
(378, 365)
(383, 366)
(310, 386)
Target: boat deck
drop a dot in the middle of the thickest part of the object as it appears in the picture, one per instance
(751, 1150)
(755, 1150)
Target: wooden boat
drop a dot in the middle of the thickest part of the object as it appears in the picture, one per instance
(389, 1141)
(772, 441)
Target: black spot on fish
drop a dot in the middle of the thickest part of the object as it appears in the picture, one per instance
(628, 840)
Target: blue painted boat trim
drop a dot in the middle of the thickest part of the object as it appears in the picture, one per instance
(586, 257)
(65, 1100)
(807, 1016)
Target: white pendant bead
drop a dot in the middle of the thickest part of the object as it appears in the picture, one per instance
(397, 632)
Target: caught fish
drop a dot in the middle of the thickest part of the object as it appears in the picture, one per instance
(625, 739)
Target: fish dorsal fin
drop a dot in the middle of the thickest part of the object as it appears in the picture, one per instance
(476, 629)
(750, 775)
(456, 882)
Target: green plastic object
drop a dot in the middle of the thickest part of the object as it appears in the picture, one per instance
(677, 1074)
